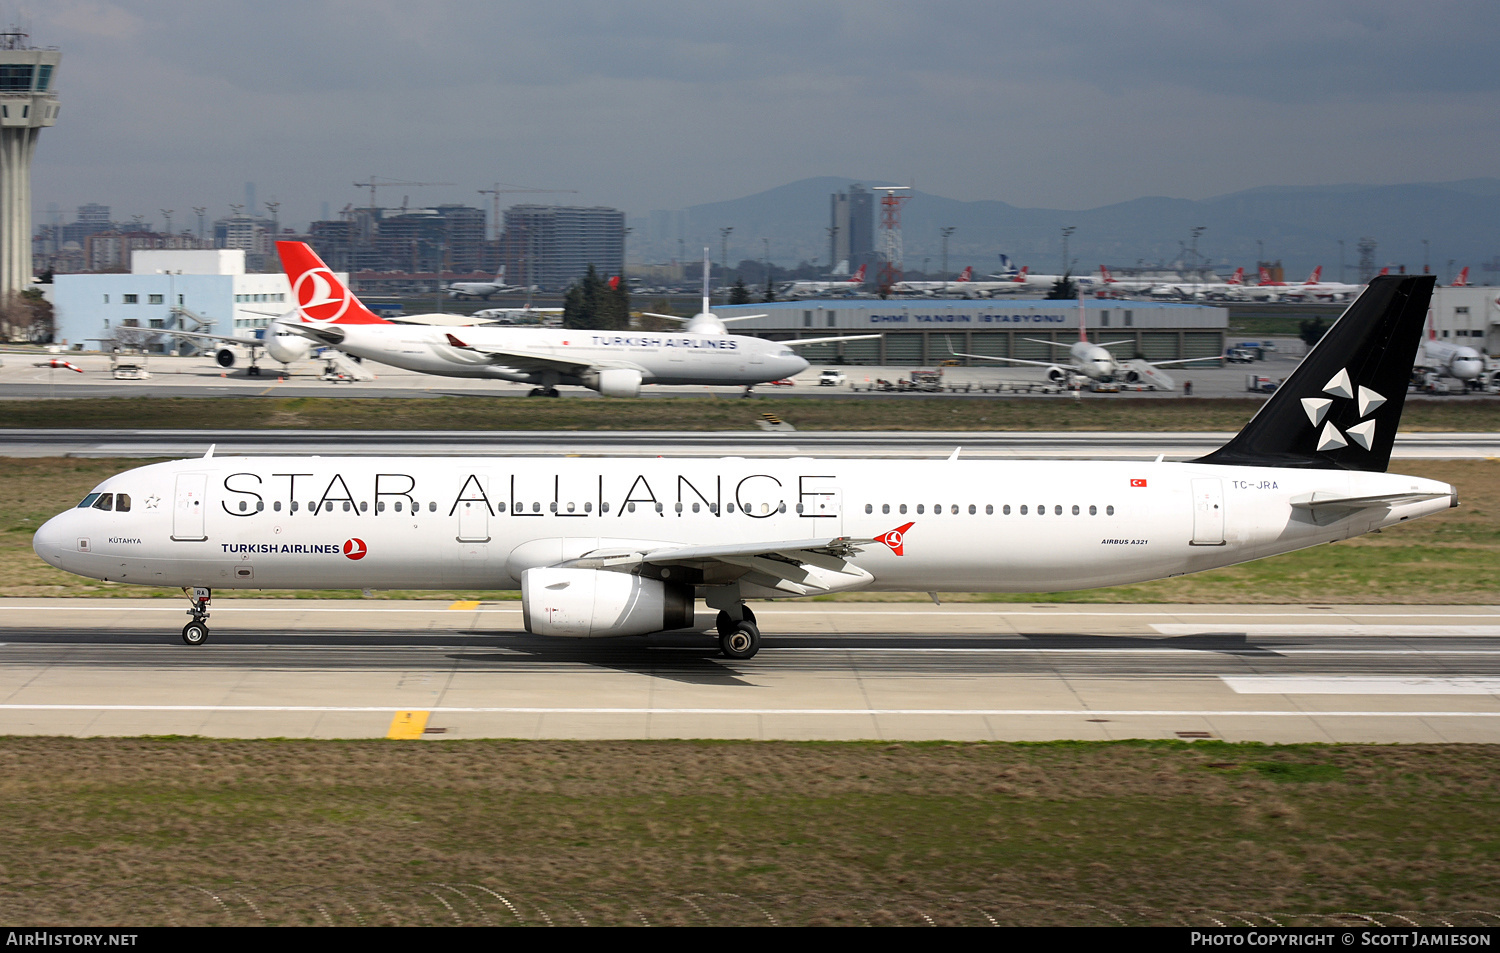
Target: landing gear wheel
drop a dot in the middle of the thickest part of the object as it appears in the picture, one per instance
(535, 392)
(552, 392)
(740, 643)
(725, 624)
(195, 633)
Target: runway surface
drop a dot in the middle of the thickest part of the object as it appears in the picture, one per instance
(1037, 445)
(828, 671)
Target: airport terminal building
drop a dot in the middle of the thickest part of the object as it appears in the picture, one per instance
(211, 284)
(919, 332)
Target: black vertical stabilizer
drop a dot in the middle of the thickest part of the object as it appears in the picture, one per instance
(1340, 407)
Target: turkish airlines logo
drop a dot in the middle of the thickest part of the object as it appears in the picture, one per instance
(1138, 483)
(896, 538)
(321, 298)
(355, 548)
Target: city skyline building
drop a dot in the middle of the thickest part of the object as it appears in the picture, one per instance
(551, 246)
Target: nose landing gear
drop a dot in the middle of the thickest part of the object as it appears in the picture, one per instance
(196, 631)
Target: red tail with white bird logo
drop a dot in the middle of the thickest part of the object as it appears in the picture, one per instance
(320, 296)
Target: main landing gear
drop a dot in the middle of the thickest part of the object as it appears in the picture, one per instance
(544, 392)
(738, 639)
(196, 631)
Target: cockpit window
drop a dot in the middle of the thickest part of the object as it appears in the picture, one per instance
(106, 501)
(88, 501)
(122, 502)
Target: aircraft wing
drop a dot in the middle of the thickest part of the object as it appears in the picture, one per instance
(520, 360)
(1188, 360)
(843, 337)
(226, 338)
(796, 567)
(1012, 360)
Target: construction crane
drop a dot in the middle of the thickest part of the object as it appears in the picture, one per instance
(377, 183)
(497, 191)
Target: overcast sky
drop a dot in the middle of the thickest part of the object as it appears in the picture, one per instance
(668, 103)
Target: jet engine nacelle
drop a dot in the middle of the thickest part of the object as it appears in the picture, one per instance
(287, 346)
(591, 603)
(225, 357)
(614, 381)
(1057, 375)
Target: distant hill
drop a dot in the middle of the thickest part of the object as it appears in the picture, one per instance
(1300, 225)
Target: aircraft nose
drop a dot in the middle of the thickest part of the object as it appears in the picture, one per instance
(796, 364)
(52, 540)
(1467, 369)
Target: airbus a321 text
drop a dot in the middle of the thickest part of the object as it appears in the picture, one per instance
(616, 547)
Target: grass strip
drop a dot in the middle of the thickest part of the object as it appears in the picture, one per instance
(146, 831)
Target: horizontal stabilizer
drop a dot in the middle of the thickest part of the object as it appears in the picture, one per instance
(1329, 506)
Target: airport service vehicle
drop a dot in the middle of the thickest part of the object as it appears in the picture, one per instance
(1239, 355)
(832, 378)
(614, 363)
(626, 546)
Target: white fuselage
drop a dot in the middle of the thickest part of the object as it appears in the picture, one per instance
(478, 289)
(1093, 361)
(478, 523)
(1453, 360)
(662, 357)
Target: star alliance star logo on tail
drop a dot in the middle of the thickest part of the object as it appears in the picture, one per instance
(1362, 433)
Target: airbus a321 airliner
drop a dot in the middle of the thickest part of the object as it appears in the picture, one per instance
(613, 547)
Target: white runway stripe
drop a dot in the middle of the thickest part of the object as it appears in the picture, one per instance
(1359, 685)
(1260, 630)
(997, 712)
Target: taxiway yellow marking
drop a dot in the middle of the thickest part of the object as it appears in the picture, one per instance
(408, 725)
(465, 604)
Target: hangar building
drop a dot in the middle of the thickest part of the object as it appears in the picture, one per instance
(1468, 317)
(917, 332)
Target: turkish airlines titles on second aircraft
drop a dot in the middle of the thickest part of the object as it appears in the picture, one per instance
(613, 363)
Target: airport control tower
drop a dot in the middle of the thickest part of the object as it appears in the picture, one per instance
(28, 78)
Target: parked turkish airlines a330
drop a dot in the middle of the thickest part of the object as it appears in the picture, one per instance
(614, 363)
(607, 547)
